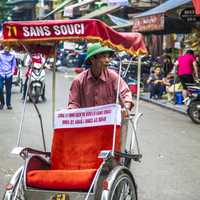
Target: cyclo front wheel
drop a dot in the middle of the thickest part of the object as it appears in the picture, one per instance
(16, 194)
(123, 188)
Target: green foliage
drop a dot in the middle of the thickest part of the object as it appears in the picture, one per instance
(4, 10)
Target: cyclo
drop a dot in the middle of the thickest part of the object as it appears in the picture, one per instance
(85, 161)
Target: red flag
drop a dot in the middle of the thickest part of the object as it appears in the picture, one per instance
(196, 4)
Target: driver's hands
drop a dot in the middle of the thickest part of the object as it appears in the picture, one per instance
(125, 113)
(126, 109)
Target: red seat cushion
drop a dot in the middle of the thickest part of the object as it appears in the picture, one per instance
(61, 179)
(78, 148)
(74, 158)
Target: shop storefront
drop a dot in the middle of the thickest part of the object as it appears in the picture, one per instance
(161, 23)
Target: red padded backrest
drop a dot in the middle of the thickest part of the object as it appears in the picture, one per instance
(78, 148)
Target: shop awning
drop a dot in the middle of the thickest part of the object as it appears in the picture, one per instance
(77, 5)
(13, 2)
(164, 7)
(196, 6)
(101, 11)
(118, 20)
(156, 21)
(123, 26)
(62, 5)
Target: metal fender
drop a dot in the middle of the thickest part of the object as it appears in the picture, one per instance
(13, 182)
(111, 178)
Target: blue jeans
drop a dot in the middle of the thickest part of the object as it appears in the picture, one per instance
(156, 90)
(8, 84)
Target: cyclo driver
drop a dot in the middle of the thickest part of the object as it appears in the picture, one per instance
(98, 84)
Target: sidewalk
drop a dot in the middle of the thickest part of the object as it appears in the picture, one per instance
(164, 103)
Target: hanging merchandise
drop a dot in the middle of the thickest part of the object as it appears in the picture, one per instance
(192, 41)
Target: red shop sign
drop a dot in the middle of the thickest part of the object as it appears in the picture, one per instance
(148, 23)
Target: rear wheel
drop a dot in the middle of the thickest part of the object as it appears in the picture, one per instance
(21, 86)
(19, 193)
(37, 94)
(43, 94)
(194, 112)
(123, 188)
(34, 94)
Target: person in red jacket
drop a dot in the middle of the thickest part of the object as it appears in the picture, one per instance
(35, 60)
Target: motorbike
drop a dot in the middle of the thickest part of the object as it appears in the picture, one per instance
(37, 84)
(129, 68)
(49, 63)
(72, 58)
(193, 103)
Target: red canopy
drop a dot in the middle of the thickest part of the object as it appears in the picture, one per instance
(196, 6)
(57, 30)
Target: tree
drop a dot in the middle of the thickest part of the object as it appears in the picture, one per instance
(4, 10)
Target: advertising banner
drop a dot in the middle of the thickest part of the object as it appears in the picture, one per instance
(71, 30)
(88, 117)
(149, 23)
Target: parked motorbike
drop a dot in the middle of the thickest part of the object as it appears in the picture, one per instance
(129, 68)
(193, 103)
(37, 84)
(49, 63)
(71, 58)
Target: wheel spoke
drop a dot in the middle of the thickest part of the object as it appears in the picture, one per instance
(124, 189)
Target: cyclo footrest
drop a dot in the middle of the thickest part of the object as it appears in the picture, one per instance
(135, 157)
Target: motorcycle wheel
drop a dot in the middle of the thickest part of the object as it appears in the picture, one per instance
(37, 94)
(35, 97)
(21, 86)
(194, 112)
(43, 95)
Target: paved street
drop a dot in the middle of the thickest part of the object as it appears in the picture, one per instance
(169, 141)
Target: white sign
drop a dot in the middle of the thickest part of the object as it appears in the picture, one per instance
(118, 2)
(68, 12)
(69, 45)
(88, 117)
(177, 45)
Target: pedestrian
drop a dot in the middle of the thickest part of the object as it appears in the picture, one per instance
(187, 70)
(156, 83)
(98, 85)
(7, 67)
(167, 64)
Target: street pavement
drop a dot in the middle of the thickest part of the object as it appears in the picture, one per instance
(169, 142)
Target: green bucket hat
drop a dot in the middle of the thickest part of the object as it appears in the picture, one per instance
(95, 49)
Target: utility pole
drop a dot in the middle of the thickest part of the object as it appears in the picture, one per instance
(41, 9)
